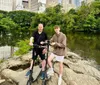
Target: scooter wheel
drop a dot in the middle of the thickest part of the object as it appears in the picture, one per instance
(29, 82)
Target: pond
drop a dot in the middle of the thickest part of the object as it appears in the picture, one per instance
(86, 45)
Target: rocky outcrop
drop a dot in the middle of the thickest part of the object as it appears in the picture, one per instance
(2, 80)
(83, 68)
(72, 78)
(77, 71)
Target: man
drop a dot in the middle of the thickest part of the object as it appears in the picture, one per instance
(39, 37)
(58, 41)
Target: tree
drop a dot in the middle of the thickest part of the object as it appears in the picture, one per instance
(23, 19)
(90, 23)
(8, 33)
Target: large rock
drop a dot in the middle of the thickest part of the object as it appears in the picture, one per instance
(72, 78)
(52, 81)
(2, 81)
(19, 77)
(76, 71)
(27, 57)
(83, 69)
(72, 55)
(12, 63)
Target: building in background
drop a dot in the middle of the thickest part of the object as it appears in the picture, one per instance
(37, 5)
(11, 5)
(7, 5)
(42, 6)
(66, 4)
(25, 4)
(51, 3)
(19, 5)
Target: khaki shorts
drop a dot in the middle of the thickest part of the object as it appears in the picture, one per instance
(58, 58)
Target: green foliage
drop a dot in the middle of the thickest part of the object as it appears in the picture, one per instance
(14, 26)
(51, 17)
(7, 27)
(23, 19)
(1, 16)
(4, 13)
(23, 46)
(86, 17)
(7, 24)
(98, 24)
(49, 30)
(90, 23)
(18, 25)
(1, 61)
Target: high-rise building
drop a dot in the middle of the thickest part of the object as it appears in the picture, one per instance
(25, 4)
(51, 3)
(7, 5)
(37, 5)
(19, 5)
(66, 4)
(10, 5)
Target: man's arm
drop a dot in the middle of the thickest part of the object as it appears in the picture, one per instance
(62, 44)
(31, 41)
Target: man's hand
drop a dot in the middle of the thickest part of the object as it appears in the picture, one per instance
(44, 51)
(41, 42)
(31, 44)
(31, 41)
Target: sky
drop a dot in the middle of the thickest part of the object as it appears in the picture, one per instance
(59, 1)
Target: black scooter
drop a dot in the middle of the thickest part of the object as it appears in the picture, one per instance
(31, 79)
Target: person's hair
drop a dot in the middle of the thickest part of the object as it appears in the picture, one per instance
(56, 27)
(40, 24)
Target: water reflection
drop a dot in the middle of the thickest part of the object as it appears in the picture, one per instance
(86, 45)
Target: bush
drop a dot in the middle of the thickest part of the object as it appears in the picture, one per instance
(23, 46)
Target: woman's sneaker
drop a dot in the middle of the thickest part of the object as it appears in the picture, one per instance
(50, 72)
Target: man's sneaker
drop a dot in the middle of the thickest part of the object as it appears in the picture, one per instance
(50, 72)
(28, 73)
(59, 80)
(42, 76)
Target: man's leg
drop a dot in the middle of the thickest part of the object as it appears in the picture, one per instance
(50, 58)
(34, 56)
(60, 69)
(30, 68)
(60, 73)
(43, 64)
(60, 59)
(42, 56)
(31, 64)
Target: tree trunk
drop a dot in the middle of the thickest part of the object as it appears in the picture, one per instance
(12, 51)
